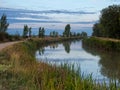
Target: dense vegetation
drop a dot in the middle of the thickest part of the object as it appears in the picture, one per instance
(3, 27)
(4, 36)
(109, 23)
(27, 31)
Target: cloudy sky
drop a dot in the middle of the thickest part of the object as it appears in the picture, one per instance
(53, 14)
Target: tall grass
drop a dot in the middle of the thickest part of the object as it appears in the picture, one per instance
(23, 72)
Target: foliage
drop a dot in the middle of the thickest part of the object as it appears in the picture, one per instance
(54, 34)
(67, 32)
(3, 23)
(83, 34)
(30, 32)
(3, 36)
(109, 23)
(27, 31)
(3, 28)
(41, 32)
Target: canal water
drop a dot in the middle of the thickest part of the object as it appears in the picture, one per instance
(102, 66)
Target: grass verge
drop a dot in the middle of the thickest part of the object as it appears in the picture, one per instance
(108, 45)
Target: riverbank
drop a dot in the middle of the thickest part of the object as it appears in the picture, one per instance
(103, 44)
(19, 70)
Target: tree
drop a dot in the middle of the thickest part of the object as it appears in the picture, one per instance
(3, 23)
(83, 34)
(54, 34)
(109, 23)
(66, 32)
(30, 32)
(51, 34)
(78, 34)
(41, 32)
(97, 31)
(27, 31)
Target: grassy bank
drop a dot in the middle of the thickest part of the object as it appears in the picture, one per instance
(20, 71)
(103, 44)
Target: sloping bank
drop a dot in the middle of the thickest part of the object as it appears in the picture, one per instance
(20, 71)
(104, 44)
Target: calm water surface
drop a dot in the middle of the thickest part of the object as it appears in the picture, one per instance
(101, 66)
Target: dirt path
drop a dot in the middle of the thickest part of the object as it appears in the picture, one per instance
(3, 45)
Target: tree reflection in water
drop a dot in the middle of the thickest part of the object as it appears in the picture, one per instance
(67, 46)
(109, 62)
(41, 50)
(53, 46)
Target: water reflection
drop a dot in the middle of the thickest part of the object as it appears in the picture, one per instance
(41, 50)
(71, 53)
(67, 46)
(109, 62)
(54, 45)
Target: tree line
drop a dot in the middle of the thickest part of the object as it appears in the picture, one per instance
(109, 23)
(27, 31)
(41, 34)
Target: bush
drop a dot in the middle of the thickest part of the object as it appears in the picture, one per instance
(4, 36)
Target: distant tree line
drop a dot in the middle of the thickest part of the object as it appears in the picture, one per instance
(109, 23)
(41, 33)
(27, 31)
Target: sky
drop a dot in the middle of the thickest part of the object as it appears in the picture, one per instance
(54, 14)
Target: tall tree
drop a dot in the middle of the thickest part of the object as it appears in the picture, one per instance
(67, 30)
(97, 30)
(25, 31)
(41, 32)
(3, 23)
(83, 34)
(30, 32)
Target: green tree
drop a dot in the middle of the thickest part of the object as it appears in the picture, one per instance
(67, 32)
(54, 34)
(3, 23)
(41, 32)
(25, 31)
(109, 23)
(30, 32)
(51, 34)
(78, 34)
(97, 30)
(83, 34)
